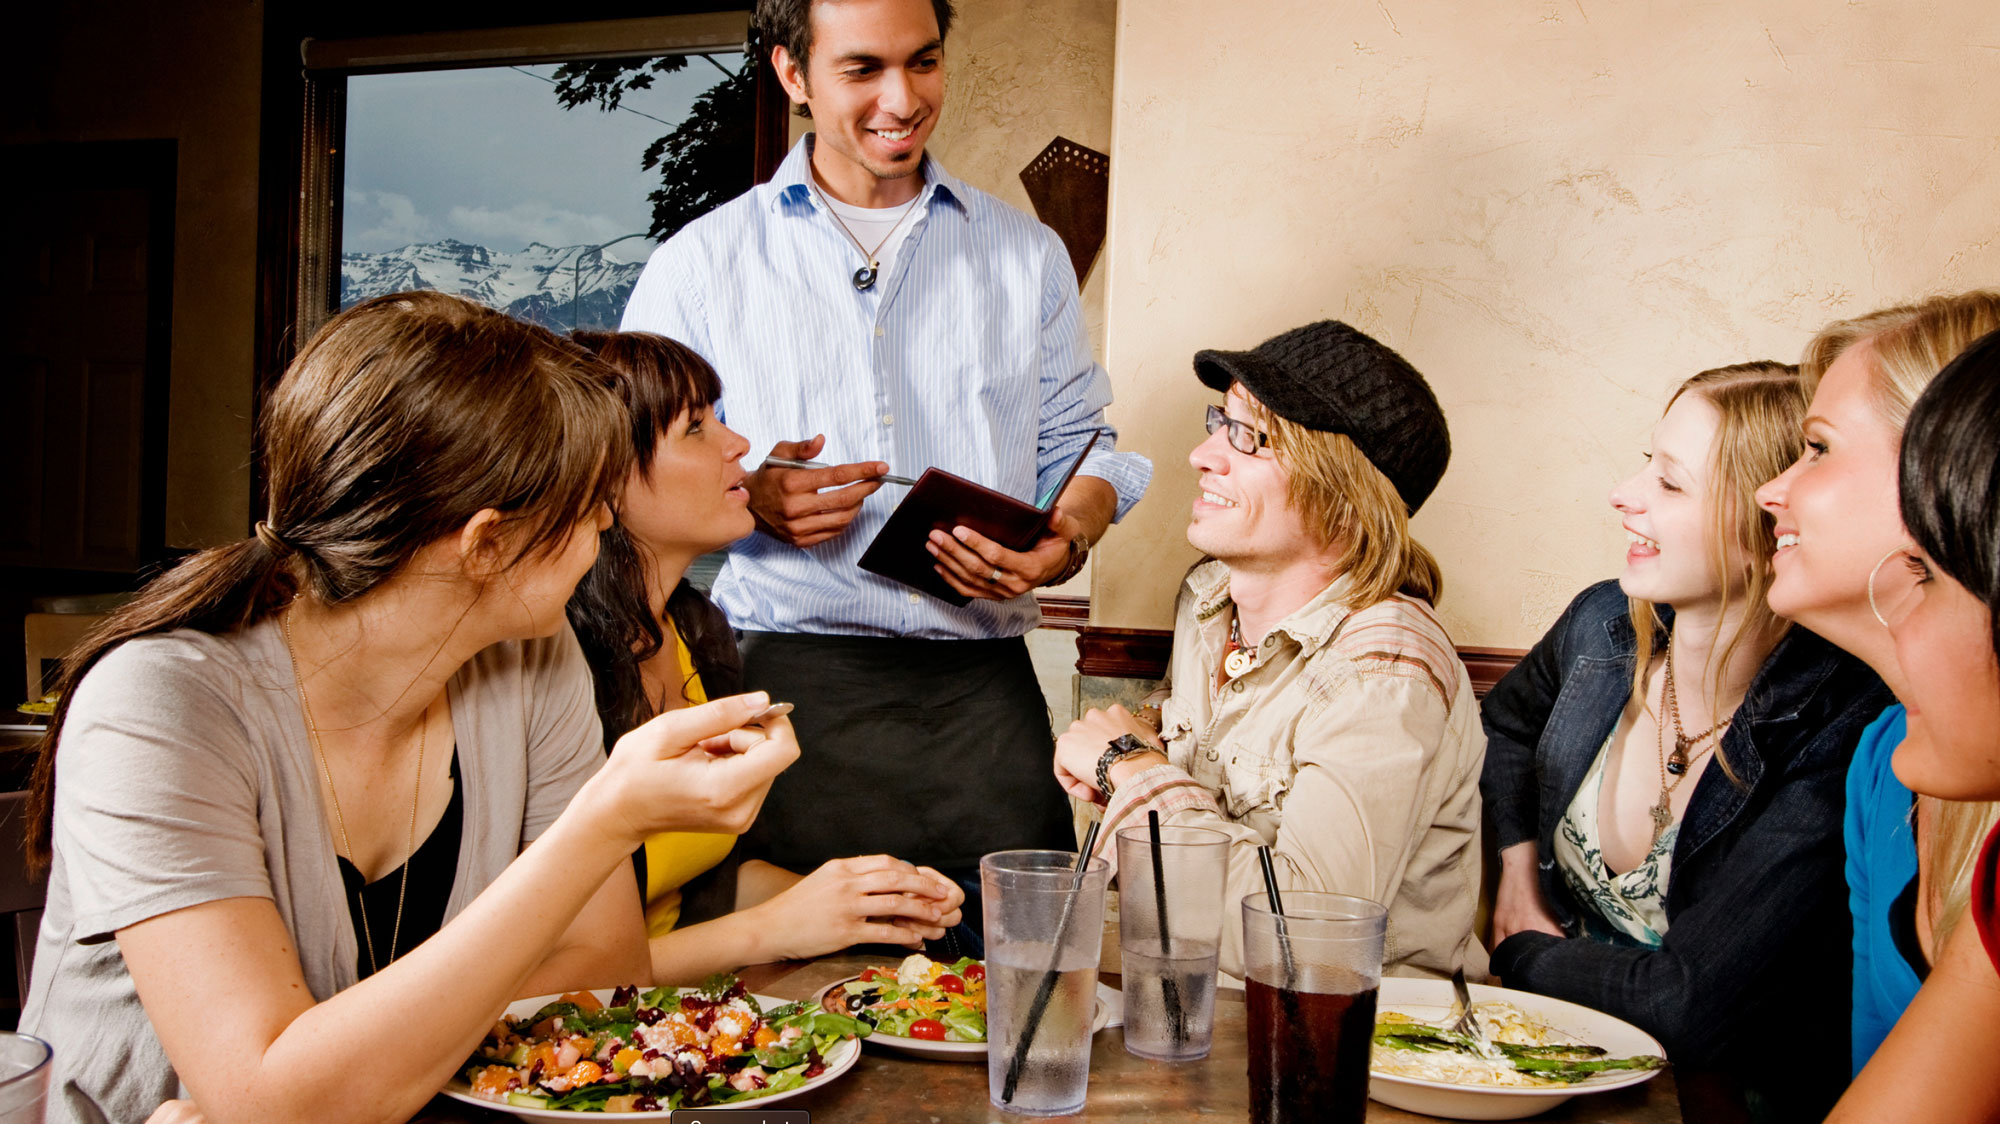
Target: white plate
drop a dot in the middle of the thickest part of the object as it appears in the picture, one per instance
(952, 1051)
(838, 1060)
(1432, 1000)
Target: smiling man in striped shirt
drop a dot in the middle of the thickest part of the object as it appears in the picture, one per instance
(868, 309)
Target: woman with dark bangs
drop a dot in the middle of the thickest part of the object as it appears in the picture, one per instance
(656, 644)
(320, 803)
(1937, 1063)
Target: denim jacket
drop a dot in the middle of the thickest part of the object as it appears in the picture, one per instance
(1752, 976)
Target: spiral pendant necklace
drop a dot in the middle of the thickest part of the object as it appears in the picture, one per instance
(871, 268)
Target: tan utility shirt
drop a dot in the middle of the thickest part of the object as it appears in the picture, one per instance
(1352, 746)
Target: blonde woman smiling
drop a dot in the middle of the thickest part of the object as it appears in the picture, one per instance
(1664, 770)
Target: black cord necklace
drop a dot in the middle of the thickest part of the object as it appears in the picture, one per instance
(864, 278)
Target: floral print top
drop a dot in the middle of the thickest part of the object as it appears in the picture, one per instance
(1628, 908)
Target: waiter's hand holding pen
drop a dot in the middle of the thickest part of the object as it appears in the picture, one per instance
(807, 506)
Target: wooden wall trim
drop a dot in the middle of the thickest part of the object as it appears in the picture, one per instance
(1064, 611)
(1141, 653)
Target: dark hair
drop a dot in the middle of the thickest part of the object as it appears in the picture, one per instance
(1950, 478)
(788, 24)
(402, 419)
(660, 380)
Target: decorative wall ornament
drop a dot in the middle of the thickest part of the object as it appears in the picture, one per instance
(1070, 186)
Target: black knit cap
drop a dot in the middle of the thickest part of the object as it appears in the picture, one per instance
(1334, 378)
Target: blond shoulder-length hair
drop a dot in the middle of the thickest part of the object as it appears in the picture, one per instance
(1908, 345)
(1761, 406)
(1349, 505)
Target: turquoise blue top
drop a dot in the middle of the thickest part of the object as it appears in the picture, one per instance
(1881, 861)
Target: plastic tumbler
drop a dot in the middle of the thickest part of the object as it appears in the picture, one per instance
(1044, 928)
(24, 1078)
(1312, 979)
(1168, 970)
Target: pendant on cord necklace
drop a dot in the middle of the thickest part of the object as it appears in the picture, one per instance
(864, 278)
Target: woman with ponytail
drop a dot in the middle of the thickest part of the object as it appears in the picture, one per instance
(284, 793)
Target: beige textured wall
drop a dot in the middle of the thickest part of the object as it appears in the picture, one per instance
(133, 69)
(1555, 209)
(1022, 74)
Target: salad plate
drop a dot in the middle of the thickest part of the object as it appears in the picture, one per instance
(838, 1059)
(1431, 1001)
(831, 998)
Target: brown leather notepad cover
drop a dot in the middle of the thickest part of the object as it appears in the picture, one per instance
(942, 500)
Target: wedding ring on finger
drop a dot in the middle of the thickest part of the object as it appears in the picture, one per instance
(994, 577)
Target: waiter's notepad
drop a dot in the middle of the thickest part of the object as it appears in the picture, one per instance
(942, 500)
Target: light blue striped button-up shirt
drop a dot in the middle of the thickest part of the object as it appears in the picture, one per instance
(968, 354)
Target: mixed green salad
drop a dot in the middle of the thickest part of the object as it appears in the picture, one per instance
(919, 998)
(654, 1050)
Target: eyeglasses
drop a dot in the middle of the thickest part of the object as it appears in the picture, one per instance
(1894, 590)
(1243, 437)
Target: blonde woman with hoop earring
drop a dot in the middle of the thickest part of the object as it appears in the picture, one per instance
(1841, 569)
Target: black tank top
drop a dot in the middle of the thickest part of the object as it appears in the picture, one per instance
(433, 869)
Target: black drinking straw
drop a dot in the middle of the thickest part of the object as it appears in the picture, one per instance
(1288, 996)
(1278, 907)
(1170, 988)
(1048, 987)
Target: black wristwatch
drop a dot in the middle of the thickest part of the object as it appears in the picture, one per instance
(1121, 747)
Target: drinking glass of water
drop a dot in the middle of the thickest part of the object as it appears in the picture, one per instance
(24, 1078)
(1044, 927)
(1169, 931)
(1313, 974)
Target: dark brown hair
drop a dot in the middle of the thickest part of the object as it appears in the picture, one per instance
(401, 420)
(788, 24)
(660, 381)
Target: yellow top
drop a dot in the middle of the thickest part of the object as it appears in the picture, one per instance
(675, 858)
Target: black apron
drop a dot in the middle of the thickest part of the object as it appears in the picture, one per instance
(934, 751)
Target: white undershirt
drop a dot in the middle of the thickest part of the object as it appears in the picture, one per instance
(872, 224)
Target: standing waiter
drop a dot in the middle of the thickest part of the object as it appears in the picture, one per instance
(867, 308)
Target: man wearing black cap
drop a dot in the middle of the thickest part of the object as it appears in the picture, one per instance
(1314, 702)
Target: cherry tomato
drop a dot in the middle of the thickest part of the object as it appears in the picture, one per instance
(870, 975)
(930, 1029)
(975, 972)
(952, 984)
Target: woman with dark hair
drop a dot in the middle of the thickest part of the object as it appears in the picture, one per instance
(656, 644)
(1664, 770)
(321, 802)
(1937, 1064)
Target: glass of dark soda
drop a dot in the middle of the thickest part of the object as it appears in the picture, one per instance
(1312, 975)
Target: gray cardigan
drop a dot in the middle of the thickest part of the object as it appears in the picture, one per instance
(186, 776)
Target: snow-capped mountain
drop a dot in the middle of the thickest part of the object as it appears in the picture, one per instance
(542, 284)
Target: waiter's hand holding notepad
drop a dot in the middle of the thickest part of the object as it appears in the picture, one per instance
(942, 501)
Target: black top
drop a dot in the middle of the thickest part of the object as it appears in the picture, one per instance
(433, 869)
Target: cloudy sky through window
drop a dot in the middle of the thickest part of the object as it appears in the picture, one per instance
(488, 156)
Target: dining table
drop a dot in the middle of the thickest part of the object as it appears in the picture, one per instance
(885, 1087)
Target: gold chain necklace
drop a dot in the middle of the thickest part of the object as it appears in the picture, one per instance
(340, 820)
(864, 278)
(1676, 764)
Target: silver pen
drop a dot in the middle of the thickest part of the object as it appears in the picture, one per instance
(785, 462)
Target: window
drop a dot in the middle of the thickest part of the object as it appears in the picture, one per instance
(540, 189)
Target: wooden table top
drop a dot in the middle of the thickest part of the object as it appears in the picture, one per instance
(891, 1088)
